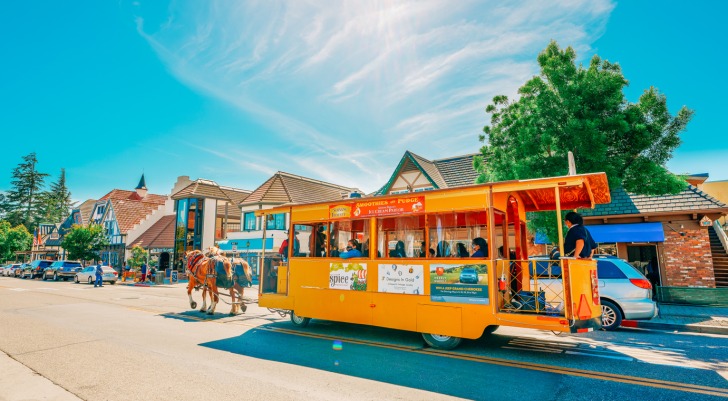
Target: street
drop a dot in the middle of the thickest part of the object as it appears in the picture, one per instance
(135, 343)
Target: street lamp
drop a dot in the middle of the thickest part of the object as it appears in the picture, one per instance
(247, 252)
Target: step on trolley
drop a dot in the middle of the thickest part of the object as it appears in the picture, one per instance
(421, 265)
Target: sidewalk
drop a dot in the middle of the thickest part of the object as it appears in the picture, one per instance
(19, 383)
(699, 319)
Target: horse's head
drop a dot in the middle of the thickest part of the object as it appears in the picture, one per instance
(213, 251)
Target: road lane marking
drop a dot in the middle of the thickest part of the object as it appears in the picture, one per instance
(639, 381)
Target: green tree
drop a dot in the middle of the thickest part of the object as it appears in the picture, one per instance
(24, 196)
(582, 110)
(85, 243)
(56, 203)
(13, 239)
(138, 256)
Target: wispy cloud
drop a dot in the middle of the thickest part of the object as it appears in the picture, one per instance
(345, 88)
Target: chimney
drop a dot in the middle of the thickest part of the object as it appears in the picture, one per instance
(141, 189)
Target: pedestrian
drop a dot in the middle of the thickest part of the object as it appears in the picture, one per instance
(144, 273)
(578, 242)
(99, 274)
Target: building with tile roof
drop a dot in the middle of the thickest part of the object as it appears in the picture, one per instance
(120, 212)
(280, 189)
(206, 212)
(414, 173)
(667, 232)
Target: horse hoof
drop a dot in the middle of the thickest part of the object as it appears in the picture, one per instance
(243, 307)
(193, 305)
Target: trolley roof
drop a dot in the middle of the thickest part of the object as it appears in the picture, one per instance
(538, 194)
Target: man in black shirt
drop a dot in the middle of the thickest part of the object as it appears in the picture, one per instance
(578, 242)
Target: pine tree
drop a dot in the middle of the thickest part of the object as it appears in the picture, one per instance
(25, 195)
(56, 203)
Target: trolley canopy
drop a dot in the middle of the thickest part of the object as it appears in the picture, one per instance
(575, 191)
(538, 194)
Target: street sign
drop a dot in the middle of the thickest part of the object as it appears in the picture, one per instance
(235, 246)
(173, 277)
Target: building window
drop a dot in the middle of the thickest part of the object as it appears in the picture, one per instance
(276, 222)
(249, 221)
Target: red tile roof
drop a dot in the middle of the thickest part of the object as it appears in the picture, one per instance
(121, 194)
(130, 209)
(159, 235)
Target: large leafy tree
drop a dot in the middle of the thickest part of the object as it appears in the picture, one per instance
(24, 196)
(13, 239)
(582, 110)
(85, 243)
(56, 203)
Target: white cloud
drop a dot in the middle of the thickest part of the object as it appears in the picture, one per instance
(345, 88)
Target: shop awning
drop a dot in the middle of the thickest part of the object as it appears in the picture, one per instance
(245, 245)
(637, 232)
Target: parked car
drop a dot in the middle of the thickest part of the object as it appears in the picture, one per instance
(7, 270)
(88, 275)
(62, 269)
(624, 292)
(19, 270)
(35, 268)
(469, 275)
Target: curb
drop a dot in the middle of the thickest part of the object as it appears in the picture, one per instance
(674, 327)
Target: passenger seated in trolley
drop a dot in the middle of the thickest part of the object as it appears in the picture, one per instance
(398, 251)
(462, 251)
(480, 248)
(352, 250)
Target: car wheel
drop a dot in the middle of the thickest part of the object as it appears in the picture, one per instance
(112, 282)
(55, 276)
(298, 320)
(75, 279)
(90, 281)
(44, 277)
(441, 342)
(611, 316)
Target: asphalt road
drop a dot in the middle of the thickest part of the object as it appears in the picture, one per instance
(135, 343)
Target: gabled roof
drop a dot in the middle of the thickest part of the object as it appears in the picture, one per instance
(443, 173)
(129, 208)
(209, 189)
(284, 188)
(85, 211)
(690, 200)
(129, 213)
(159, 235)
(120, 194)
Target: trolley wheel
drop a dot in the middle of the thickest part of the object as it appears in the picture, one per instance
(611, 316)
(490, 329)
(298, 320)
(441, 342)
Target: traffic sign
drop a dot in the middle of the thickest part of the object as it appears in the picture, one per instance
(235, 246)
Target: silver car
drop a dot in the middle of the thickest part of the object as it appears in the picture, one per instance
(624, 292)
(88, 275)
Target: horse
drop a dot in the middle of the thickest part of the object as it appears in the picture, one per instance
(211, 270)
(202, 272)
(235, 283)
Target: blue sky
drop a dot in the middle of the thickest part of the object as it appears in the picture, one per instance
(337, 91)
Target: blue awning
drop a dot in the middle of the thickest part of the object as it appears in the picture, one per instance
(245, 245)
(637, 232)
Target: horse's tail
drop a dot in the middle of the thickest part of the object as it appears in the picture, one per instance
(248, 271)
